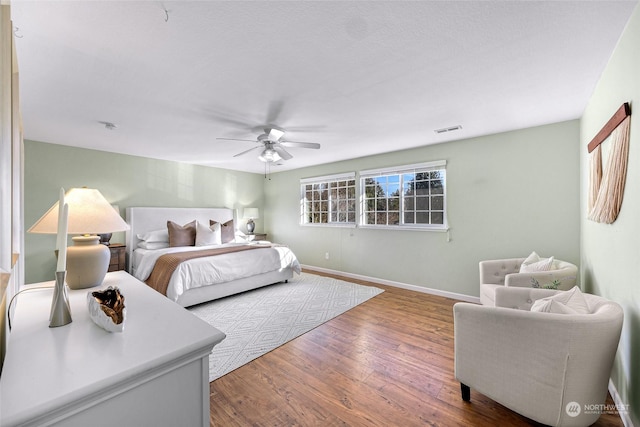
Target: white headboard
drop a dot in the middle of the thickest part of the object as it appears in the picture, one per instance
(145, 219)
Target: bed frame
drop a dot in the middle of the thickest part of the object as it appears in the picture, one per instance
(145, 219)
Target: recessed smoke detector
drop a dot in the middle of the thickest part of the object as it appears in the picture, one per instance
(448, 129)
(109, 125)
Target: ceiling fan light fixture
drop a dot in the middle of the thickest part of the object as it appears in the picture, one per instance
(269, 155)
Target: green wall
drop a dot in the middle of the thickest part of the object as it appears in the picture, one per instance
(124, 181)
(507, 195)
(610, 254)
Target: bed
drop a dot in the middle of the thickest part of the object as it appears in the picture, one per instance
(251, 265)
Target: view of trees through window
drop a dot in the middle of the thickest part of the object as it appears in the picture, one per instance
(329, 202)
(409, 196)
(414, 198)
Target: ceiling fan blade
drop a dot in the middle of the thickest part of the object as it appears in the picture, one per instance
(246, 151)
(275, 134)
(313, 145)
(282, 152)
(274, 111)
(235, 139)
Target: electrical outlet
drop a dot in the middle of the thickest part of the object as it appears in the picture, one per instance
(326, 255)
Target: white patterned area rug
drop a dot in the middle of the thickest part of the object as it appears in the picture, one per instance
(261, 320)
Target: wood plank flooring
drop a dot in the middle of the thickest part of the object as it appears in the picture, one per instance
(387, 362)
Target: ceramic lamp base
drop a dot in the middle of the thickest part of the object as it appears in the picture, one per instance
(87, 262)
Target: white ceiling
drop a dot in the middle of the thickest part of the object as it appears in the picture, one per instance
(358, 77)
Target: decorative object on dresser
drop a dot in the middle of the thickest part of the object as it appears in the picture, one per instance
(60, 314)
(107, 309)
(251, 214)
(118, 257)
(89, 214)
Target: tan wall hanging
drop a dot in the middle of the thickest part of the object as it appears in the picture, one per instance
(606, 187)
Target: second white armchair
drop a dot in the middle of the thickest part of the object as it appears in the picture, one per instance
(506, 272)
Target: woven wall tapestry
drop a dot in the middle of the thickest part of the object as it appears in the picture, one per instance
(606, 187)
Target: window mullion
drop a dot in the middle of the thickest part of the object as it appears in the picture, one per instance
(401, 201)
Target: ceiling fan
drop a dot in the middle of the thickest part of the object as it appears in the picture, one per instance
(272, 145)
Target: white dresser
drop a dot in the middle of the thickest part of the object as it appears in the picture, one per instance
(155, 373)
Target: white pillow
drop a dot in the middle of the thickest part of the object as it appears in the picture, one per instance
(545, 264)
(533, 257)
(206, 236)
(153, 245)
(564, 302)
(154, 236)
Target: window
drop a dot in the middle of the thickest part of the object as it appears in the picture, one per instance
(328, 200)
(405, 196)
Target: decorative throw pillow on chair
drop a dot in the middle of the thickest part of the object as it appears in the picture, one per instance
(534, 263)
(565, 302)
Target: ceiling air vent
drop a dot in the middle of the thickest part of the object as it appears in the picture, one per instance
(449, 129)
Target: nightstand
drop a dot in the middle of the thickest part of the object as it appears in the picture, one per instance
(257, 236)
(118, 251)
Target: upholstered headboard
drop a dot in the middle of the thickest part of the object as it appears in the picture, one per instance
(146, 219)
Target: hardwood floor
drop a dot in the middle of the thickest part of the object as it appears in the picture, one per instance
(387, 362)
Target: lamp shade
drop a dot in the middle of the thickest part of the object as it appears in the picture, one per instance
(251, 213)
(89, 213)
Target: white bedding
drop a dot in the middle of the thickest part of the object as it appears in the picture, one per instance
(213, 270)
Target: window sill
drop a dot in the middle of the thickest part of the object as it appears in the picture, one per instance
(331, 225)
(442, 229)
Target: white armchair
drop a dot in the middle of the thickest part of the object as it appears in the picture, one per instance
(506, 272)
(544, 366)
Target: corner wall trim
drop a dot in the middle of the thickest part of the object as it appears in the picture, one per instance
(401, 285)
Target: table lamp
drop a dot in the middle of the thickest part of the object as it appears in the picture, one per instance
(251, 213)
(89, 215)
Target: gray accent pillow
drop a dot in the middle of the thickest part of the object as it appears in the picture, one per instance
(182, 235)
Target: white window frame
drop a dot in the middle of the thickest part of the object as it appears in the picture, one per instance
(439, 165)
(328, 179)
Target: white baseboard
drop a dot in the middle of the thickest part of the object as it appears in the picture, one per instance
(625, 416)
(416, 288)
